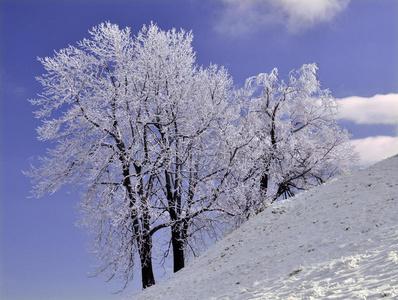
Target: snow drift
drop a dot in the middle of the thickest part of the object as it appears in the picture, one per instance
(336, 241)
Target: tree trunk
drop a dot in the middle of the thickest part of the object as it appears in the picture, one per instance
(177, 229)
(141, 232)
(264, 183)
(146, 262)
(146, 252)
(264, 180)
(178, 247)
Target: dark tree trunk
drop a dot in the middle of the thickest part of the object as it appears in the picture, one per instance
(264, 180)
(178, 230)
(146, 252)
(141, 231)
(178, 247)
(146, 262)
(264, 183)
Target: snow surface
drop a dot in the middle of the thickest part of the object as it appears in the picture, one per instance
(336, 241)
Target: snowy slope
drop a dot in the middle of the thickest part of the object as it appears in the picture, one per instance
(336, 241)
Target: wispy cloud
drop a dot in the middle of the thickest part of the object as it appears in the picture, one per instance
(379, 109)
(242, 16)
(375, 148)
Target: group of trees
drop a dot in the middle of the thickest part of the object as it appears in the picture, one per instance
(168, 152)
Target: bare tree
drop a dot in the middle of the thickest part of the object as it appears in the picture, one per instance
(103, 145)
(203, 150)
(297, 142)
(142, 134)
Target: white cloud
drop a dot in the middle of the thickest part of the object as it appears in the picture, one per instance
(242, 16)
(376, 148)
(379, 109)
(304, 13)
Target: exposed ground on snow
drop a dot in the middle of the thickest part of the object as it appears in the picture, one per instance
(336, 241)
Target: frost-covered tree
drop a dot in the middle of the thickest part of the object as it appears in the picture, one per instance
(296, 140)
(103, 145)
(146, 136)
(199, 158)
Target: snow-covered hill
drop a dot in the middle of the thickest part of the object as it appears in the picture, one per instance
(336, 241)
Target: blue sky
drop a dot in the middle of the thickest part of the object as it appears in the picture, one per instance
(355, 44)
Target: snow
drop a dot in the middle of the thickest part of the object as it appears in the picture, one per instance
(335, 241)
